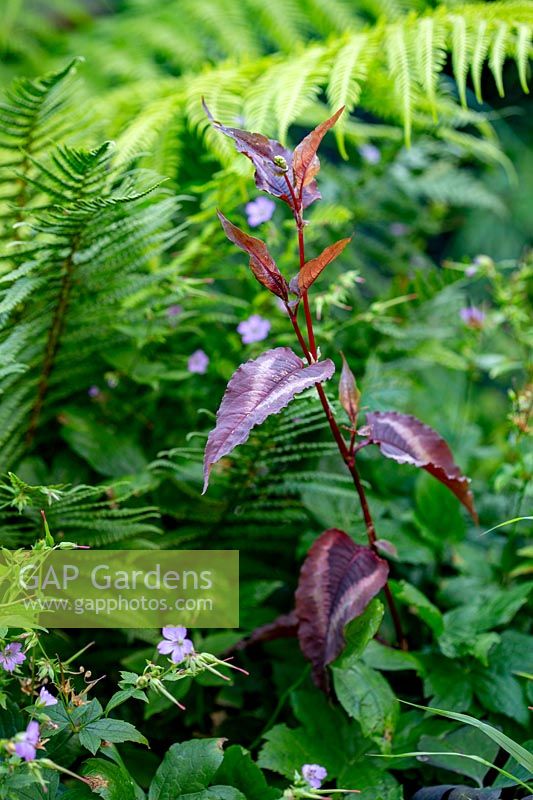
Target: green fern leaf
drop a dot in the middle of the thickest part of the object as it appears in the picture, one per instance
(522, 51)
(348, 73)
(497, 55)
(479, 54)
(401, 69)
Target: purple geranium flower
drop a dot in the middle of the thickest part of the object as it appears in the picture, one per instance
(472, 316)
(259, 211)
(46, 698)
(11, 656)
(370, 153)
(198, 362)
(26, 747)
(253, 329)
(314, 774)
(173, 312)
(398, 229)
(175, 644)
(93, 391)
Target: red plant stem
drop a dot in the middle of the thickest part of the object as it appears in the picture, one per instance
(297, 210)
(347, 453)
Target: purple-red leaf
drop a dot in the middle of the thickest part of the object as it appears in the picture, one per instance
(259, 388)
(262, 264)
(408, 441)
(305, 161)
(349, 394)
(271, 160)
(274, 172)
(337, 581)
(283, 627)
(312, 269)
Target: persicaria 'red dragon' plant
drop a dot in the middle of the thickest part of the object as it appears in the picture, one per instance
(338, 578)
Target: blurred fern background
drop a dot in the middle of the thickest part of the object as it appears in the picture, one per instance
(114, 272)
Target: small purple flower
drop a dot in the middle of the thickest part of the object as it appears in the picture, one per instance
(473, 317)
(314, 774)
(253, 329)
(370, 153)
(27, 745)
(173, 312)
(11, 656)
(198, 362)
(259, 211)
(93, 391)
(46, 698)
(398, 229)
(175, 644)
(471, 271)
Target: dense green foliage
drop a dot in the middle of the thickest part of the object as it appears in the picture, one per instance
(114, 271)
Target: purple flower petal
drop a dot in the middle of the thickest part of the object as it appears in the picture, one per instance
(46, 698)
(174, 634)
(253, 329)
(314, 774)
(181, 650)
(11, 656)
(370, 153)
(165, 647)
(25, 750)
(259, 211)
(472, 316)
(198, 362)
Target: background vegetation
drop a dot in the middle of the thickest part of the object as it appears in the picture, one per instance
(116, 271)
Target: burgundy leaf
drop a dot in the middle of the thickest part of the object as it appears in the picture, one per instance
(312, 269)
(349, 394)
(305, 161)
(262, 264)
(337, 581)
(259, 388)
(408, 441)
(274, 163)
(283, 627)
(271, 160)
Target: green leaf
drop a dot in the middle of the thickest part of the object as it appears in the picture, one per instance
(11, 721)
(187, 768)
(239, 770)
(108, 730)
(287, 749)
(382, 657)
(360, 631)
(367, 697)
(372, 782)
(123, 695)
(418, 604)
(108, 780)
(519, 753)
(446, 683)
(463, 740)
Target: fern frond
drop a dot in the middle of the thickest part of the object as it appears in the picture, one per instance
(348, 73)
(90, 515)
(300, 82)
(460, 53)
(497, 55)
(479, 55)
(430, 48)
(399, 53)
(32, 114)
(522, 52)
(85, 257)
